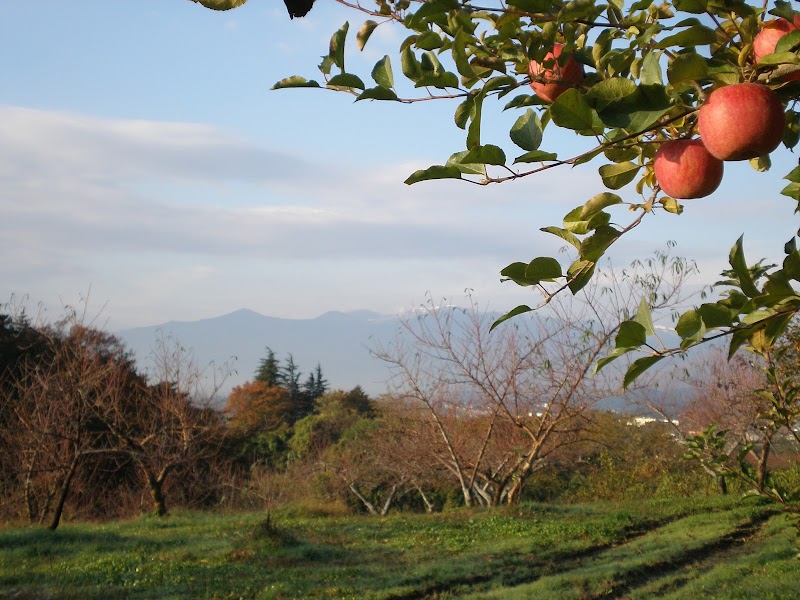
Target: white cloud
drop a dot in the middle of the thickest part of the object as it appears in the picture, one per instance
(79, 183)
(179, 203)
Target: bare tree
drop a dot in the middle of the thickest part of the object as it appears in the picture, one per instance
(51, 405)
(531, 381)
(174, 425)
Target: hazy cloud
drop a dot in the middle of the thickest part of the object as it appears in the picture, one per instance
(76, 184)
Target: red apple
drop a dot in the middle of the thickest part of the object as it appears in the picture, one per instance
(684, 169)
(741, 121)
(550, 83)
(766, 39)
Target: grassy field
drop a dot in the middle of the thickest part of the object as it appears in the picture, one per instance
(720, 548)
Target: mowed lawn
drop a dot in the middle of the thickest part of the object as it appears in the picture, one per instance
(715, 548)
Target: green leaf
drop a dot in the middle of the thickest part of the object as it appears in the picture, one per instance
(687, 67)
(791, 265)
(644, 318)
(564, 234)
(474, 131)
(598, 203)
(457, 159)
(715, 315)
(536, 156)
(429, 40)
(521, 309)
(527, 131)
(783, 9)
(411, 67)
(382, 73)
(516, 273)
(430, 63)
(593, 247)
(588, 157)
(579, 274)
(524, 100)
(619, 175)
(788, 42)
(637, 367)
(614, 355)
(486, 155)
(543, 268)
(697, 7)
(336, 46)
(221, 4)
(739, 265)
(609, 91)
(651, 73)
(295, 82)
(738, 339)
(631, 335)
(621, 103)
(364, 33)
(571, 111)
(346, 80)
(690, 327)
(671, 205)
(438, 80)
(575, 222)
(377, 93)
(432, 8)
(434, 172)
(620, 154)
(696, 35)
(463, 112)
(459, 52)
(779, 58)
(638, 111)
(761, 163)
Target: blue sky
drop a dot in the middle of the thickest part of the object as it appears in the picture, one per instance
(145, 160)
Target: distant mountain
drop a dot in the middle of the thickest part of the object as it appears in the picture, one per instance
(335, 340)
(338, 341)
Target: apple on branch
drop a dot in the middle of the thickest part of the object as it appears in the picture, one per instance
(684, 169)
(772, 31)
(741, 121)
(550, 83)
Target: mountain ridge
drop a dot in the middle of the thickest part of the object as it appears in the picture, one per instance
(338, 341)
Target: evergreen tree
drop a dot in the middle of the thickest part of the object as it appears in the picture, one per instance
(268, 370)
(320, 384)
(315, 385)
(289, 377)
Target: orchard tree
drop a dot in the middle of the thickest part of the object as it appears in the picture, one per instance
(167, 426)
(50, 404)
(531, 384)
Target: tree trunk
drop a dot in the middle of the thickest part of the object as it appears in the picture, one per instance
(722, 485)
(62, 496)
(425, 499)
(29, 501)
(157, 494)
(155, 485)
(761, 471)
(369, 505)
(388, 503)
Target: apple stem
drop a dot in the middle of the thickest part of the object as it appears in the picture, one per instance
(701, 94)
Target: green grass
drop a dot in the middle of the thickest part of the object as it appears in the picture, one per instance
(673, 549)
